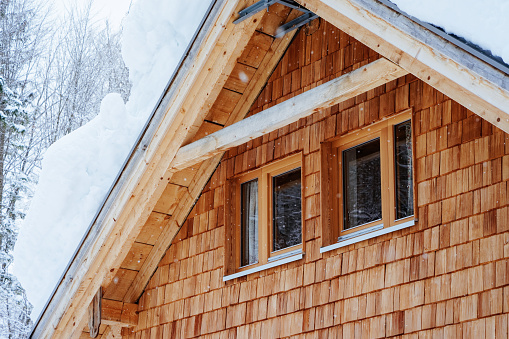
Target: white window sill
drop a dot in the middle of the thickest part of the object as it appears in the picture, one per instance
(264, 267)
(364, 236)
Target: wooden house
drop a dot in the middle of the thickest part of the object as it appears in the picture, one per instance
(347, 179)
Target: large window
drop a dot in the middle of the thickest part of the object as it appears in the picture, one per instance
(367, 180)
(266, 208)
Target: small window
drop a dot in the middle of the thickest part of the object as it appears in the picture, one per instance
(367, 180)
(286, 210)
(249, 223)
(265, 213)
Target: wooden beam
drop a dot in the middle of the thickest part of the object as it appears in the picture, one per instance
(335, 91)
(464, 78)
(118, 313)
(171, 228)
(112, 332)
(94, 314)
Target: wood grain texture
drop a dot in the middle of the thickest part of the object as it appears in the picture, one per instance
(335, 91)
(143, 188)
(447, 276)
(189, 176)
(441, 64)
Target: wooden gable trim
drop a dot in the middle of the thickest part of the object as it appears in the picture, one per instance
(335, 91)
(439, 63)
(207, 167)
(110, 239)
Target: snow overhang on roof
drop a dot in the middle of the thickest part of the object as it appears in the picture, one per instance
(479, 84)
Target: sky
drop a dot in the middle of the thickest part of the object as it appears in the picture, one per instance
(112, 10)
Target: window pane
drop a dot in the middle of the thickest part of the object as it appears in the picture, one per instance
(286, 210)
(362, 184)
(249, 223)
(403, 170)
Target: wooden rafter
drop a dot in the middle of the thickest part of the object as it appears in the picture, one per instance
(439, 63)
(335, 91)
(207, 168)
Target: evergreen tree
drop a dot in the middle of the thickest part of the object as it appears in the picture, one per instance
(14, 306)
(51, 82)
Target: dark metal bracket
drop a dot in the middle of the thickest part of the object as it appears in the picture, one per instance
(261, 5)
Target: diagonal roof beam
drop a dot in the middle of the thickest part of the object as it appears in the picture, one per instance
(335, 91)
(463, 77)
(207, 168)
(220, 44)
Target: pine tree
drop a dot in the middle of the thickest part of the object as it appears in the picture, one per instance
(14, 306)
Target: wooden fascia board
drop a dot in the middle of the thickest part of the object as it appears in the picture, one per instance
(226, 48)
(466, 79)
(173, 132)
(140, 184)
(332, 92)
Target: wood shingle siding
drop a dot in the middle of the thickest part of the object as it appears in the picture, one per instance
(446, 277)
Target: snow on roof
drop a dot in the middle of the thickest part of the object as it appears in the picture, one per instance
(483, 23)
(78, 170)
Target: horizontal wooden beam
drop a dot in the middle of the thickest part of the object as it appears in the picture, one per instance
(117, 313)
(335, 91)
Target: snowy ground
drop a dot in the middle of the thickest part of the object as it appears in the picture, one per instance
(79, 169)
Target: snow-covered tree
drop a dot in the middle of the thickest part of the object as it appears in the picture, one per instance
(14, 116)
(84, 65)
(52, 80)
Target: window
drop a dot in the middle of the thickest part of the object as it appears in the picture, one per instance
(265, 215)
(367, 181)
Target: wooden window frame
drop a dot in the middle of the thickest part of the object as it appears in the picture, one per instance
(266, 255)
(332, 208)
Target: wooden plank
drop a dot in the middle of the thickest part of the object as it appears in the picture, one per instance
(118, 313)
(276, 16)
(169, 199)
(95, 314)
(239, 78)
(205, 129)
(183, 177)
(152, 228)
(112, 332)
(323, 96)
(170, 231)
(136, 256)
(119, 285)
(441, 64)
(224, 105)
(255, 50)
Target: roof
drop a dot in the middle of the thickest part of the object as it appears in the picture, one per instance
(188, 110)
